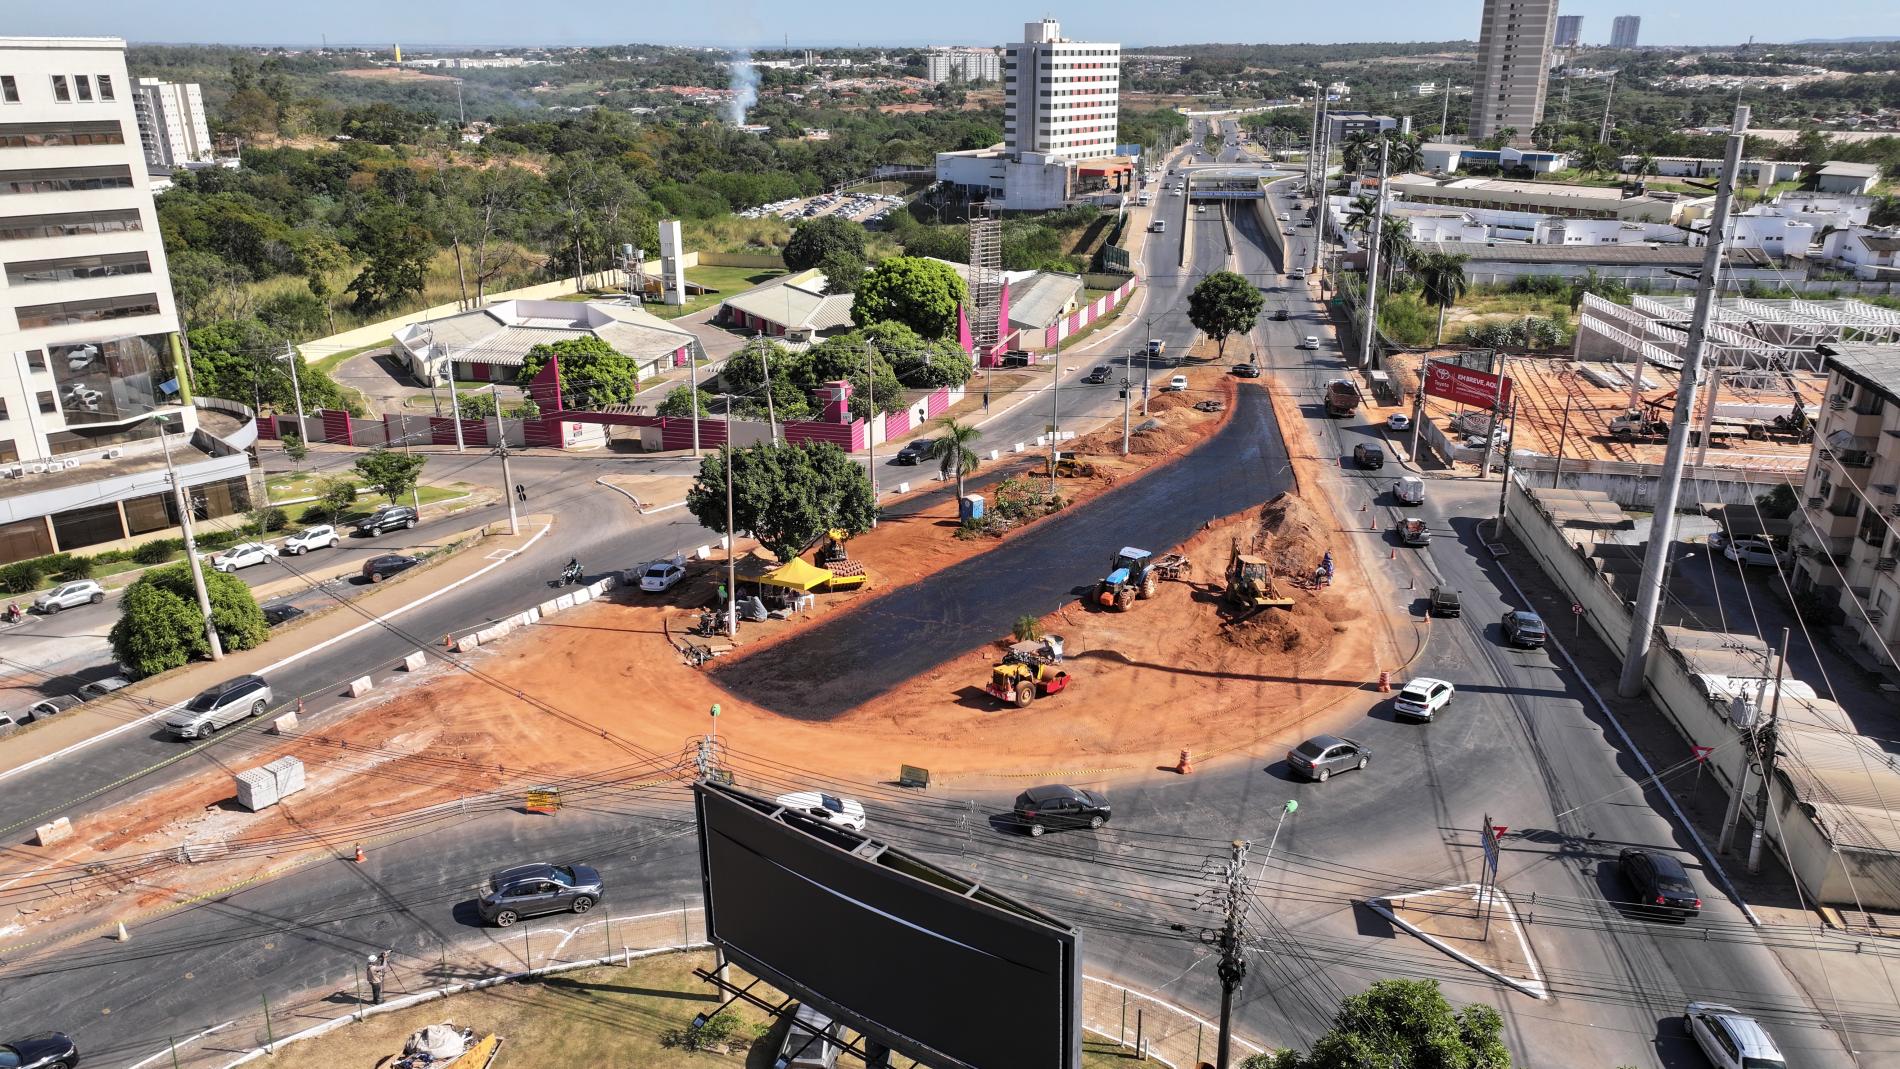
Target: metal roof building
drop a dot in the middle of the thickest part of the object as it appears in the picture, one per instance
(488, 344)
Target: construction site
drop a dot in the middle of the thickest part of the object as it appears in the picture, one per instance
(1612, 398)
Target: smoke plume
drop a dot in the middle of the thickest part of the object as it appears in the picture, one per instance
(745, 88)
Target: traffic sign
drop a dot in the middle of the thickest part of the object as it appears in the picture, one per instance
(1488, 835)
(1702, 753)
(1576, 609)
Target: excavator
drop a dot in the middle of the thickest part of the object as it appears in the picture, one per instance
(1250, 583)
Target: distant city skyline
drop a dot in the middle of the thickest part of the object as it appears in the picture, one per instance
(751, 23)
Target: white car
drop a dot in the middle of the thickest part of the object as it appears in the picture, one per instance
(1730, 1038)
(1309, 342)
(1200, 209)
(243, 555)
(1755, 551)
(99, 688)
(1398, 421)
(322, 536)
(1177, 384)
(67, 595)
(1285, 218)
(1422, 698)
(844, 812)
(662, 575)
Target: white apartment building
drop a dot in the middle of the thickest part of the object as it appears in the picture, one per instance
(1569, 31)
(172, 123)
(1514, 43)
(90, 362)
(1063, 98)
(967, 64)
(1845, 537)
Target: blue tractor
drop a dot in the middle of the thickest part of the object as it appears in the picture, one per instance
(1133, 576)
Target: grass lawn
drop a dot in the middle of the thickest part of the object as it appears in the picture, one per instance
(722, 281)
(291, 485)
(592, 1017)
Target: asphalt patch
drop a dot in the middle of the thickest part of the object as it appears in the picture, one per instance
(859, 656)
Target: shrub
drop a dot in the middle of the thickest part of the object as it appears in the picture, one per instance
(22, 577)
(111, 556)
(158, 551)
(159, 625)
(77, 568)
(1027, 629)
(714, 1031)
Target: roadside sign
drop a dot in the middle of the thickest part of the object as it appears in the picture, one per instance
(1488, 837)
(543, 800)
(1576, 609)
(1500, 831)
(1702, 753)
(912, 776)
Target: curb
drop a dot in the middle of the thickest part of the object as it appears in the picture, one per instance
(1533, 988)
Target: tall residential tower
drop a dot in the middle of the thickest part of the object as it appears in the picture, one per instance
(1513, 66)
(1063, 97)
(1569, 30)
(1624, 29)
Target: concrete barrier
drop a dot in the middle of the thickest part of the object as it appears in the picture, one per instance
(284, 724)
(996, 454)
(360, 686)
(415, 661)
(1017, 448)
(565, 601)
(548, 608)
(583, 595)
(903, 488)
(53, 832)
(703, 552)
(467, 642)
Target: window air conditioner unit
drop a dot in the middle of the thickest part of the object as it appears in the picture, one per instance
(1894, 510)
(13, 472)
(36, 469)
(1886, 564)
(1816, 502)
(1876, 616)
(71, 463)
(1837, 402)
(114, 454)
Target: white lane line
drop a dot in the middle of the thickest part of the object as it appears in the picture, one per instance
(292, 659)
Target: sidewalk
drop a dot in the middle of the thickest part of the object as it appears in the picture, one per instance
(148, 698)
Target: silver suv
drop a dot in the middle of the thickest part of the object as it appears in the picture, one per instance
(220, 706)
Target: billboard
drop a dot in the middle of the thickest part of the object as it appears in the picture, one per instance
(912, 956)
(1467, 386)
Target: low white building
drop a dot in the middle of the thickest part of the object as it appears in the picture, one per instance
(1871, 254)
(1446, 157)
(1836, 176)
(488, 344)
(1760, 172)
(1032, 181)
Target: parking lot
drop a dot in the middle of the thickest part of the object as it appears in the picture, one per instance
(860, 207)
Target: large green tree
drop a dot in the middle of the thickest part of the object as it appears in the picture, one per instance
(391, 472)
(815, 239)
(1402, 1023)
(395, 248)
(1223, 304)
(785, 495)
(919, 293)
(159, 626)
(591, 371)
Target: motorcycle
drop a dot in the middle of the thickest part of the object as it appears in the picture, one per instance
(570, 576)
(13, 614)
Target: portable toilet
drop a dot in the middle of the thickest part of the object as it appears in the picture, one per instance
(970, 507)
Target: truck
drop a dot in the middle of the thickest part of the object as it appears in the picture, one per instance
(1414, 533)
(1634, 424)
(1156, 347)
(1342, 397)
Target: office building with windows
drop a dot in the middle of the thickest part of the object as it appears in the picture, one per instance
(1062, 97)
(1514, 45)
(90, 359)
(964, 64)
(1624, 30)
(1569, 31)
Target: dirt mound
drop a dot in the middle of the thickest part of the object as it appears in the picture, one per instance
(1292, 537)
(1163, 432)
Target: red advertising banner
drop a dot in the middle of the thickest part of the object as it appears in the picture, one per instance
(1465, 385)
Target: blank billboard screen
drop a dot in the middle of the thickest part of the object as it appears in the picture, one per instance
(893, 945)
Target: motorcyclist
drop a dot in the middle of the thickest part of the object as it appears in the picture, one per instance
(13, 612)
(572, 573)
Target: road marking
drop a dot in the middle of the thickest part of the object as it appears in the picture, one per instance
(292, 659)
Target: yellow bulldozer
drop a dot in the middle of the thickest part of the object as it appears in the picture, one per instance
(1027, 670)
(1250, 583)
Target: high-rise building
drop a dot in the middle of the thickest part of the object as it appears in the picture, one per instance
(172, 123)
(90, 362)
(1569, 30)
(969, 64)
(1624, 29)
(1063, 97)
(1513, 67)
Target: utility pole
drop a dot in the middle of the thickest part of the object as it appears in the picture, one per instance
(1444, 117)
(501, 443)
(1562, 437)
(1776, 664)
(1662, 532)
(1055, 410)
(1504, 489)
(732, 562)
(296, 388)
(1603, 133)
(455, 408)
(771, 416)
(1233, 967)
(1128, 407)
(1312, 143)
(870, 425)
(692, 371)
(1765, 741)
(191, 550)
(1371, 326)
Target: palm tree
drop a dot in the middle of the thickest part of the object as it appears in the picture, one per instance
(1357, 150)
(1406, 154)
(1395, 245)
(1442, 275)
(953, 450)
(1360, 213)
(1645, 166)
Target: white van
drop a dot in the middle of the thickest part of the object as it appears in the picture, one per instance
(1409, 490)
(1159, 226)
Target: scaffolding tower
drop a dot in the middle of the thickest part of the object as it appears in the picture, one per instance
(986, 280)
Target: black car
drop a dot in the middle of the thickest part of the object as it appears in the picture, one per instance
(377, 569)
(1367, 455)
(527, 890)
(1661, 884)
(1524, 628)
(278, 615)
(914, 451)
(1057, 805)
(1098, 376)
(1247, 371)
(1279, 315)
(386, 518)
(44, 1050)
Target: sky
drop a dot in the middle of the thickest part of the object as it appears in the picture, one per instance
(822, 23)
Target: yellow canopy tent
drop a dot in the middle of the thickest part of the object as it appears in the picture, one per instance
(796, 574)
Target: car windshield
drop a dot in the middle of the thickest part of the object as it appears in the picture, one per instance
(1750, 1062)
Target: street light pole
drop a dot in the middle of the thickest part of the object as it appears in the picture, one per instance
(732, 562)
(191, 550)
(296, 388)
(1662, 530)
(507, 477)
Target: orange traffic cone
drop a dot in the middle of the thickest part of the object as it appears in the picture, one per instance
(359, 854)
(1186, 765)
(1385, 682)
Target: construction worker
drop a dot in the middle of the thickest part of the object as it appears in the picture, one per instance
(377, 972)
